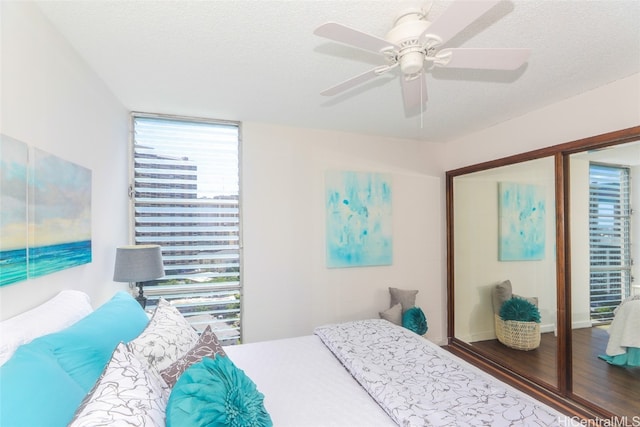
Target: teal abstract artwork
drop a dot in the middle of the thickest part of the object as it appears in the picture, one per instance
(522, 222)
(358, 215)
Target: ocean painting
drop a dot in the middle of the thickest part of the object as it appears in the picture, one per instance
(358, 216)
(522, 222)
(59, 214)
(13, 210)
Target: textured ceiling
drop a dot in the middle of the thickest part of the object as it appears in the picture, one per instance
(260, 61)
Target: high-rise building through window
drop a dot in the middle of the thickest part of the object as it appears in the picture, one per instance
(186, 198)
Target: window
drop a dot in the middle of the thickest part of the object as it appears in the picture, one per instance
(609, 241)
(185, 198)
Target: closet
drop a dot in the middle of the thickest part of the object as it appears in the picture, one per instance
(525, 219)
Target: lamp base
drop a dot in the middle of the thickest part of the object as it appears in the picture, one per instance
(141, 298)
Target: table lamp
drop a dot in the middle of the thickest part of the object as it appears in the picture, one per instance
(138, 264)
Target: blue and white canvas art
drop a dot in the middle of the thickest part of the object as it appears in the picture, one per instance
(59, 214)
(13, 210)
(359, 222)
(522, 222)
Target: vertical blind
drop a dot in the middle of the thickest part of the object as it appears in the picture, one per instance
(609, 239)
(186, 199)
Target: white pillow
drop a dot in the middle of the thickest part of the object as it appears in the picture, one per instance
(167, 337)
(59, 312)
(127, 393)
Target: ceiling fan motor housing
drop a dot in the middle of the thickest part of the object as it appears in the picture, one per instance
(405, 33)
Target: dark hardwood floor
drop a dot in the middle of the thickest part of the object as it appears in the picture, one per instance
(611, 387)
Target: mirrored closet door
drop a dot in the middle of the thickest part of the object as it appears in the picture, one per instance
(605, 240)
(550, 226)
(504, 221)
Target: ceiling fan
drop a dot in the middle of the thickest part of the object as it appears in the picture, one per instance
(414, 45)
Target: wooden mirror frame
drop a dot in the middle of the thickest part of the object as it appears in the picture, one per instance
(561, 397)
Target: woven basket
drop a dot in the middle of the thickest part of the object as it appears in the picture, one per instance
(518, 335)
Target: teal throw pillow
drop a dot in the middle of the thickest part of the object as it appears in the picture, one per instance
(415, 320)
(214, 392)
(84, 349)
(519, 309)
(54, 372)
(36, 391)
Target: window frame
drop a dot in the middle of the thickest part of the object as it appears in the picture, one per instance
(176, 291)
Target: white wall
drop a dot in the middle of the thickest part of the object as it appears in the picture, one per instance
(611, 107)
(52, 101)
(579, 231)
(288, 288)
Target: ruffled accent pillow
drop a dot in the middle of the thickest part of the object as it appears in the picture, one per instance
(207, 346)
(127, 393)
(167, 337)
(519, 309)
(214, 392)
(415, 320)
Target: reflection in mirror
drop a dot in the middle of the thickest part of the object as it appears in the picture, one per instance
(605, 238)
(504, 222)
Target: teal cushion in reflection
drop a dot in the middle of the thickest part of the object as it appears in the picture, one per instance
(630, 359)
(414, 320)
(214, 392)
(519, 309)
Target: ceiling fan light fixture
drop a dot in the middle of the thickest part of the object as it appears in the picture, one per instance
(412, 61)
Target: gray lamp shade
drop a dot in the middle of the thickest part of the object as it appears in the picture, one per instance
(138, 263)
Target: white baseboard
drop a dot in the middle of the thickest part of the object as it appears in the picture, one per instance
(581, 324)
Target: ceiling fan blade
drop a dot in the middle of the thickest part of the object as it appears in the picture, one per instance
(456, 18)
(343, 34)
(485, 59)
(414, 92)
(352, 82)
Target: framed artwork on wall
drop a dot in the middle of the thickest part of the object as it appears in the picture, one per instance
(522, 219)
(45, 213)
(358, 219)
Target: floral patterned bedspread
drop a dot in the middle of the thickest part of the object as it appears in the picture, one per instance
(419, 384)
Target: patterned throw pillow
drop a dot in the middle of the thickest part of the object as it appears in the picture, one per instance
(127, 393)
(215, 392)
(207, 346)
(167, 337)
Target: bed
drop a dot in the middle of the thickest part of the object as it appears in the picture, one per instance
(623, 347)
(115, 366)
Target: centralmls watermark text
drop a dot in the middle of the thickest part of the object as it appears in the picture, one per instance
(624, 421)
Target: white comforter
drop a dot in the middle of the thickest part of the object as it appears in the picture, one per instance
(420, 384)
(625, 329)
(306, 386)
